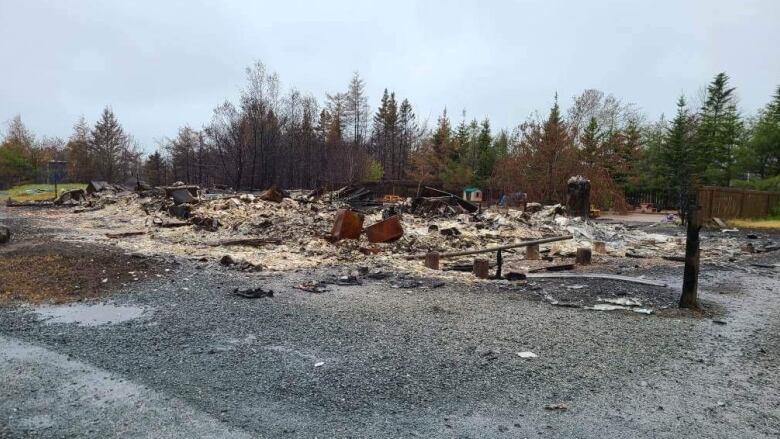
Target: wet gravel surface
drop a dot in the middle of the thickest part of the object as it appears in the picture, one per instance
(385, 359)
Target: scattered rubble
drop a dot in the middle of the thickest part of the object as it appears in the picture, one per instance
(278, 230)
(253, 293)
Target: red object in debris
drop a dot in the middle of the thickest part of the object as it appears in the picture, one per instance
(348, 225)
(388, 230)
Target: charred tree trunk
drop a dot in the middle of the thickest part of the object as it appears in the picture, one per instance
(578, 197)
(689, 297)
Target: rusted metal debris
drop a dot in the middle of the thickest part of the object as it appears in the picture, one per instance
(348, 225)
(273, 194)
(389, 230)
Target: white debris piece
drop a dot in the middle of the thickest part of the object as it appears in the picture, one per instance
(526, 354)
(625, 301)
(320, 364)
(606, 307)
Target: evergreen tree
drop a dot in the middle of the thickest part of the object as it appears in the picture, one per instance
(154, 169)
(386, 133)
(80, 162)
(407, 135)
(760, 153)
(501, 144)
(679, 156)
(487, 154)
(356, 109)
(555, 144)
(15, 153)
(719, 130)
(591, 142)
(107, 140)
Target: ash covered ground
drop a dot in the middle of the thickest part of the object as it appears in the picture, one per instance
(384, 347)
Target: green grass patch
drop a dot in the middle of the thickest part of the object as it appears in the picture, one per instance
(37, 192)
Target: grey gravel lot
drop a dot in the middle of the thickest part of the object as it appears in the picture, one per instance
(376, 361)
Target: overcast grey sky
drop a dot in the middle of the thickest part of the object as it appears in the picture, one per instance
(163, 64)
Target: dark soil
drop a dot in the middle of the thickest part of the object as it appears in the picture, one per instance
(36, 271)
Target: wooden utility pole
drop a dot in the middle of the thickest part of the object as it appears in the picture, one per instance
(689, 297)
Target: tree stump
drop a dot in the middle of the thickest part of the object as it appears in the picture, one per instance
(481, 268)
(578, 197)
(532, 252)
(583, 256)
(432, 260)
(599, 247)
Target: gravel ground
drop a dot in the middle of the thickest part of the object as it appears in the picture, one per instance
(372, 360)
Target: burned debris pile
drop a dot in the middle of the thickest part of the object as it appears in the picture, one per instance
(279, 230)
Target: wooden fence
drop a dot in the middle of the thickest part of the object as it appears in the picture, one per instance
(726, 202)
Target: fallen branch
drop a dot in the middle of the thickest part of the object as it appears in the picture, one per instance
(596, 276)
(560, 267)
(172, 224)
(125, 234)
(248, 242)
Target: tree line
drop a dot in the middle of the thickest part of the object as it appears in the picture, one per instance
(287, 138)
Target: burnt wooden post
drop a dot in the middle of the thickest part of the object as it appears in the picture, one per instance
(583, 256)
(432, 260)
(481, 268)
(499, 262)
(532, 252)
(689, 297)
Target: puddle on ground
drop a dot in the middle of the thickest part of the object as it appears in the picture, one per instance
(88, 314)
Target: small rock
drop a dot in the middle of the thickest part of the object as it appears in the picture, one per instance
(319, 364)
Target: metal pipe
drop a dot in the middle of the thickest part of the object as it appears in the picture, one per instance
(493, 249)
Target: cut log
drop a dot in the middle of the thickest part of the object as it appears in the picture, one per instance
(600, 247)
(432, 260)
(583, 256)
(532, 252)
(481, 268)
